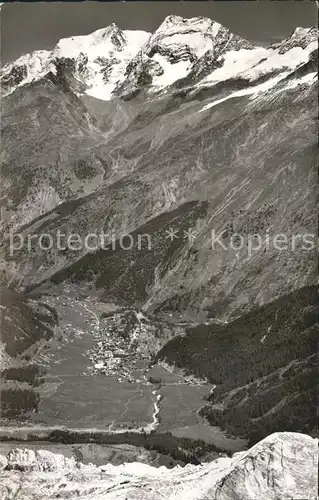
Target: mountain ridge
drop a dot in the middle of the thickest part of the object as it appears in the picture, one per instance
(282, 464)
(103, 160)
(110, 62)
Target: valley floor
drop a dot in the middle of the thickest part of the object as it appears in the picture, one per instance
(96, 381)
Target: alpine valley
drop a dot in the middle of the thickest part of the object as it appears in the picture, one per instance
(176, 349)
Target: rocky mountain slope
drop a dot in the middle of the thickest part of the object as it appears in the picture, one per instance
(281, 466)
(180, 156)
(263, 366)
(234, 153)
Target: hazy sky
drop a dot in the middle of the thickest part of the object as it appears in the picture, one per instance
(29, 26)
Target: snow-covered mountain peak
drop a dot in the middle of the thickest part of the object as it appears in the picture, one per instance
(25, 69)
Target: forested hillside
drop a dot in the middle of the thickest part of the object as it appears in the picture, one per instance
(263, 364)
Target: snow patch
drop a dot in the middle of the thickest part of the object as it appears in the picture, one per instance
(172, 72)
(264, 87)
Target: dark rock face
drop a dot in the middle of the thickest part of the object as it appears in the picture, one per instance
(106, 67)
(225, 40)
(65, 69)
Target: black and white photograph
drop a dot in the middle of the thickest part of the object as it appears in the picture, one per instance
(159, 250)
